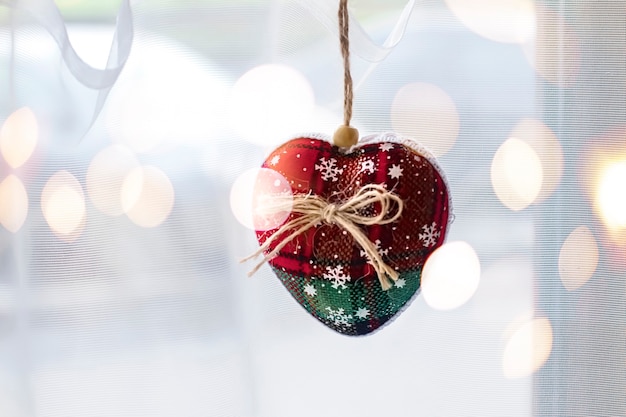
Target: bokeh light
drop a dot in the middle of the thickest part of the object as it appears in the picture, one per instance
(18, 137)
(509, 21)
(516, 174)
(549, 150)
(450, 276)
(13, 203)
(147, 196)
(105, 177)
(578, 258)
(528, 348)
(253, 192)
(555, 58)
(428, 114)
(611, 196)
(63, 205)
(602, 174)
(269, 103)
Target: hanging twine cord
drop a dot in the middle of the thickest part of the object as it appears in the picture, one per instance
(345, 136)
(314, 210)
(344, 40)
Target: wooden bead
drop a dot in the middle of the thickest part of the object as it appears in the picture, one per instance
(346, 136)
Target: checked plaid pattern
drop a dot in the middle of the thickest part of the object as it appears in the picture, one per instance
(323, 268)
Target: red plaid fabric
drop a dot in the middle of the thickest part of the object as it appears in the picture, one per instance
(324, 269)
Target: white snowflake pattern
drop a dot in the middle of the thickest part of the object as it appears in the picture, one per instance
(400, 282)
(339, 316)
(381, 251)
(395, 171)
(275, 160)
(430, 235)
(362, 313)
(337, 276)
(386, 147)
(329, 169)
(368, 166)
(310, 290)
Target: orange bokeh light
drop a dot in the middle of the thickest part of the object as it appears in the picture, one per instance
(603, 170)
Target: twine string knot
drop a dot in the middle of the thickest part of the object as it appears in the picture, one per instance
(328, 213)
(311, 210)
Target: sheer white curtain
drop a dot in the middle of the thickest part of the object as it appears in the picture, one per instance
(120, 288)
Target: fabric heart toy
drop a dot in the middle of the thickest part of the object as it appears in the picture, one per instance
(360, 224)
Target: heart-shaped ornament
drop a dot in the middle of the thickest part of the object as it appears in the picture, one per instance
(359, 224)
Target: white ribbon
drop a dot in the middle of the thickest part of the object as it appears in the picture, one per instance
(325, 11)
(48, 16)
(361, 43)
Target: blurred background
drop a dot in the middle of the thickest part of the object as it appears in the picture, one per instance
(120, 288)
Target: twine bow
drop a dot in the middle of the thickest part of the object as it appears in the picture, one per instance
(314, 210)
